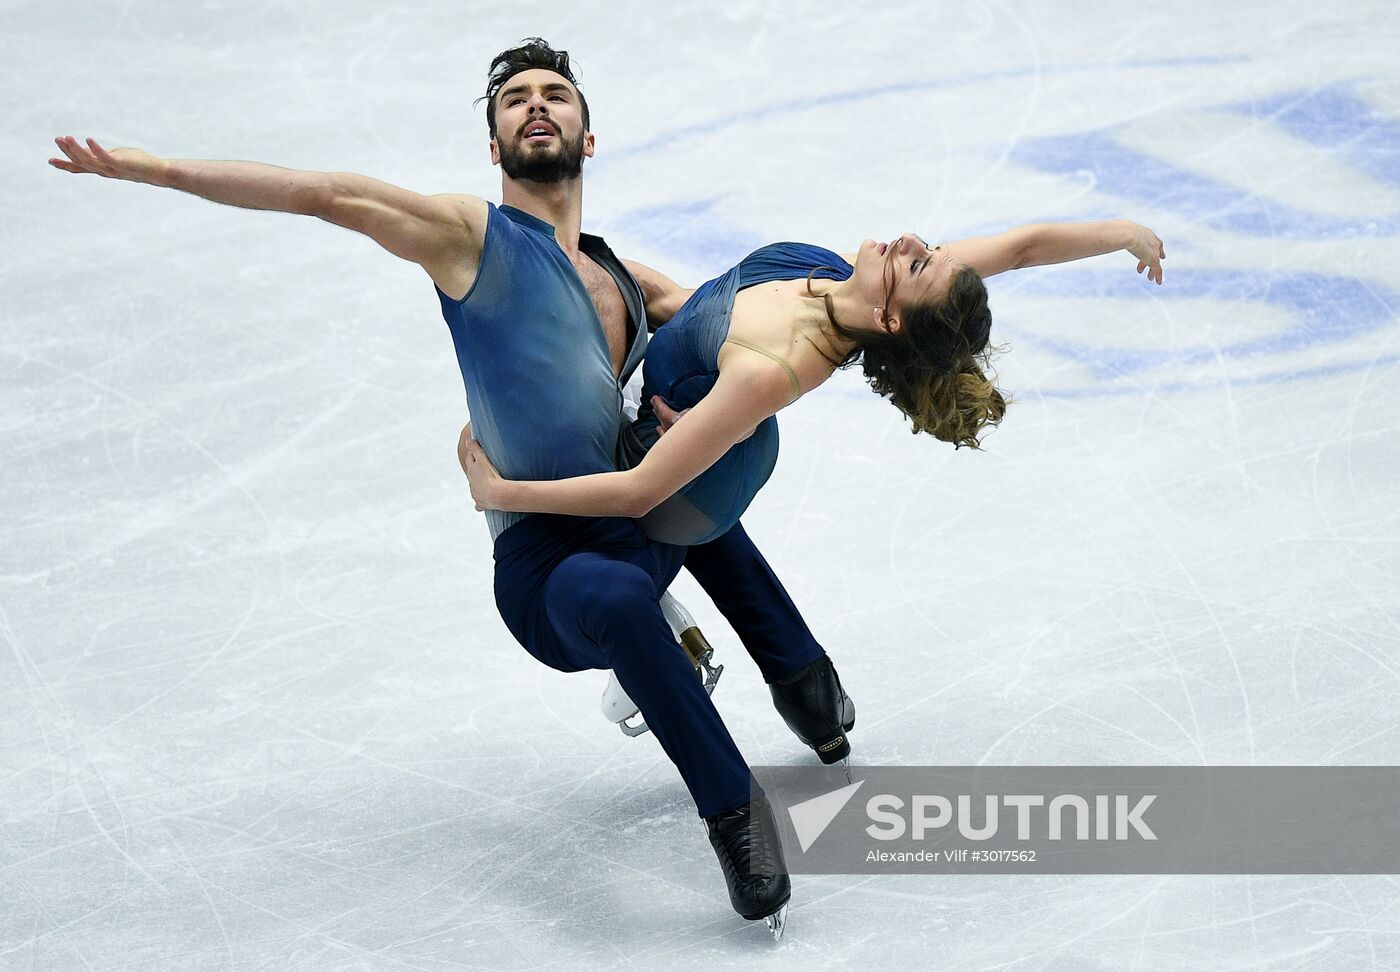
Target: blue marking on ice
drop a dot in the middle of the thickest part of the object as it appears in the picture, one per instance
(1147, 181)
(1263, 378)
(739, 118)
(1321, 309)
(693, 230)
(1338, 119)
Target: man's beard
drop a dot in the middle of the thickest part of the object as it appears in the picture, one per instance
(519, 161)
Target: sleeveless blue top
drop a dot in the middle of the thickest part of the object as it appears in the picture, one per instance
(682, 365)
(544, 401)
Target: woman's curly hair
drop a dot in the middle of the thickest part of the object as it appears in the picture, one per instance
(932, 368)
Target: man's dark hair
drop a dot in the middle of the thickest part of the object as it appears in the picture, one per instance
(533, 52)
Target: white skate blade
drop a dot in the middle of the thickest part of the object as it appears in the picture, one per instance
(777, 921)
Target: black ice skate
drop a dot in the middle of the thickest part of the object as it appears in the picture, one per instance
(817, 710)
(746, 843)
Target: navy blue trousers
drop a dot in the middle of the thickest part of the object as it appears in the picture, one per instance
(736, 577)
(582, 593)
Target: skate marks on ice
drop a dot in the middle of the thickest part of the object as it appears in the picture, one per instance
(258, 709)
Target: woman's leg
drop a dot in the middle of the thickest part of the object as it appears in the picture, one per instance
(738, 579)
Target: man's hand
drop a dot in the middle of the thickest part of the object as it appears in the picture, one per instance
(1144, 244)
(128, 164)
(666, 415)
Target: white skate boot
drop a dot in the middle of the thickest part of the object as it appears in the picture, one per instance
(618, 708)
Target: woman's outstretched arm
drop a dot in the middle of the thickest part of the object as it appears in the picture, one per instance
(1039, 244)
(745, 394)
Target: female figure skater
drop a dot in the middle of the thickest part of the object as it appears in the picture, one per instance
(747, 344)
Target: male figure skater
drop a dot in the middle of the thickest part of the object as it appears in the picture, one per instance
(548, 325)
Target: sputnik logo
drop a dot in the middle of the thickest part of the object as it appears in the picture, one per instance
(811, 817)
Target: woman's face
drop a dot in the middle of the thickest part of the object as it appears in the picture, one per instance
(906, 271)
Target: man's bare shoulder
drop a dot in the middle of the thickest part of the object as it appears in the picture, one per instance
(455, 271)
(464, 209)
(471, 210)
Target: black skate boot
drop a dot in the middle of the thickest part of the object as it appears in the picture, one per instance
(816, 708)
(746, 843)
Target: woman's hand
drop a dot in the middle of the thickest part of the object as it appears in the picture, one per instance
(483, 479)
(128, 164)
(1144, 244)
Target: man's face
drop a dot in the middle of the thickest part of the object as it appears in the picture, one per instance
(539, 128)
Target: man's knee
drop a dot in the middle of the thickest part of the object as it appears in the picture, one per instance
(622, 592)
(597, 590)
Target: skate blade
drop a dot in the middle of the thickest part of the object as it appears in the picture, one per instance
(777, 921)
(711, 676)
(631, 729)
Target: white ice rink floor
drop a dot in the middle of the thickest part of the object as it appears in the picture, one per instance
(258, 709)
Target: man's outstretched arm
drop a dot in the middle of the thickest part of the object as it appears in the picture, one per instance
(435, 232)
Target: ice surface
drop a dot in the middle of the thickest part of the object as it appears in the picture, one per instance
(258, 709)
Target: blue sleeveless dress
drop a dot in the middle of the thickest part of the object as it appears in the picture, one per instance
(681, 366)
